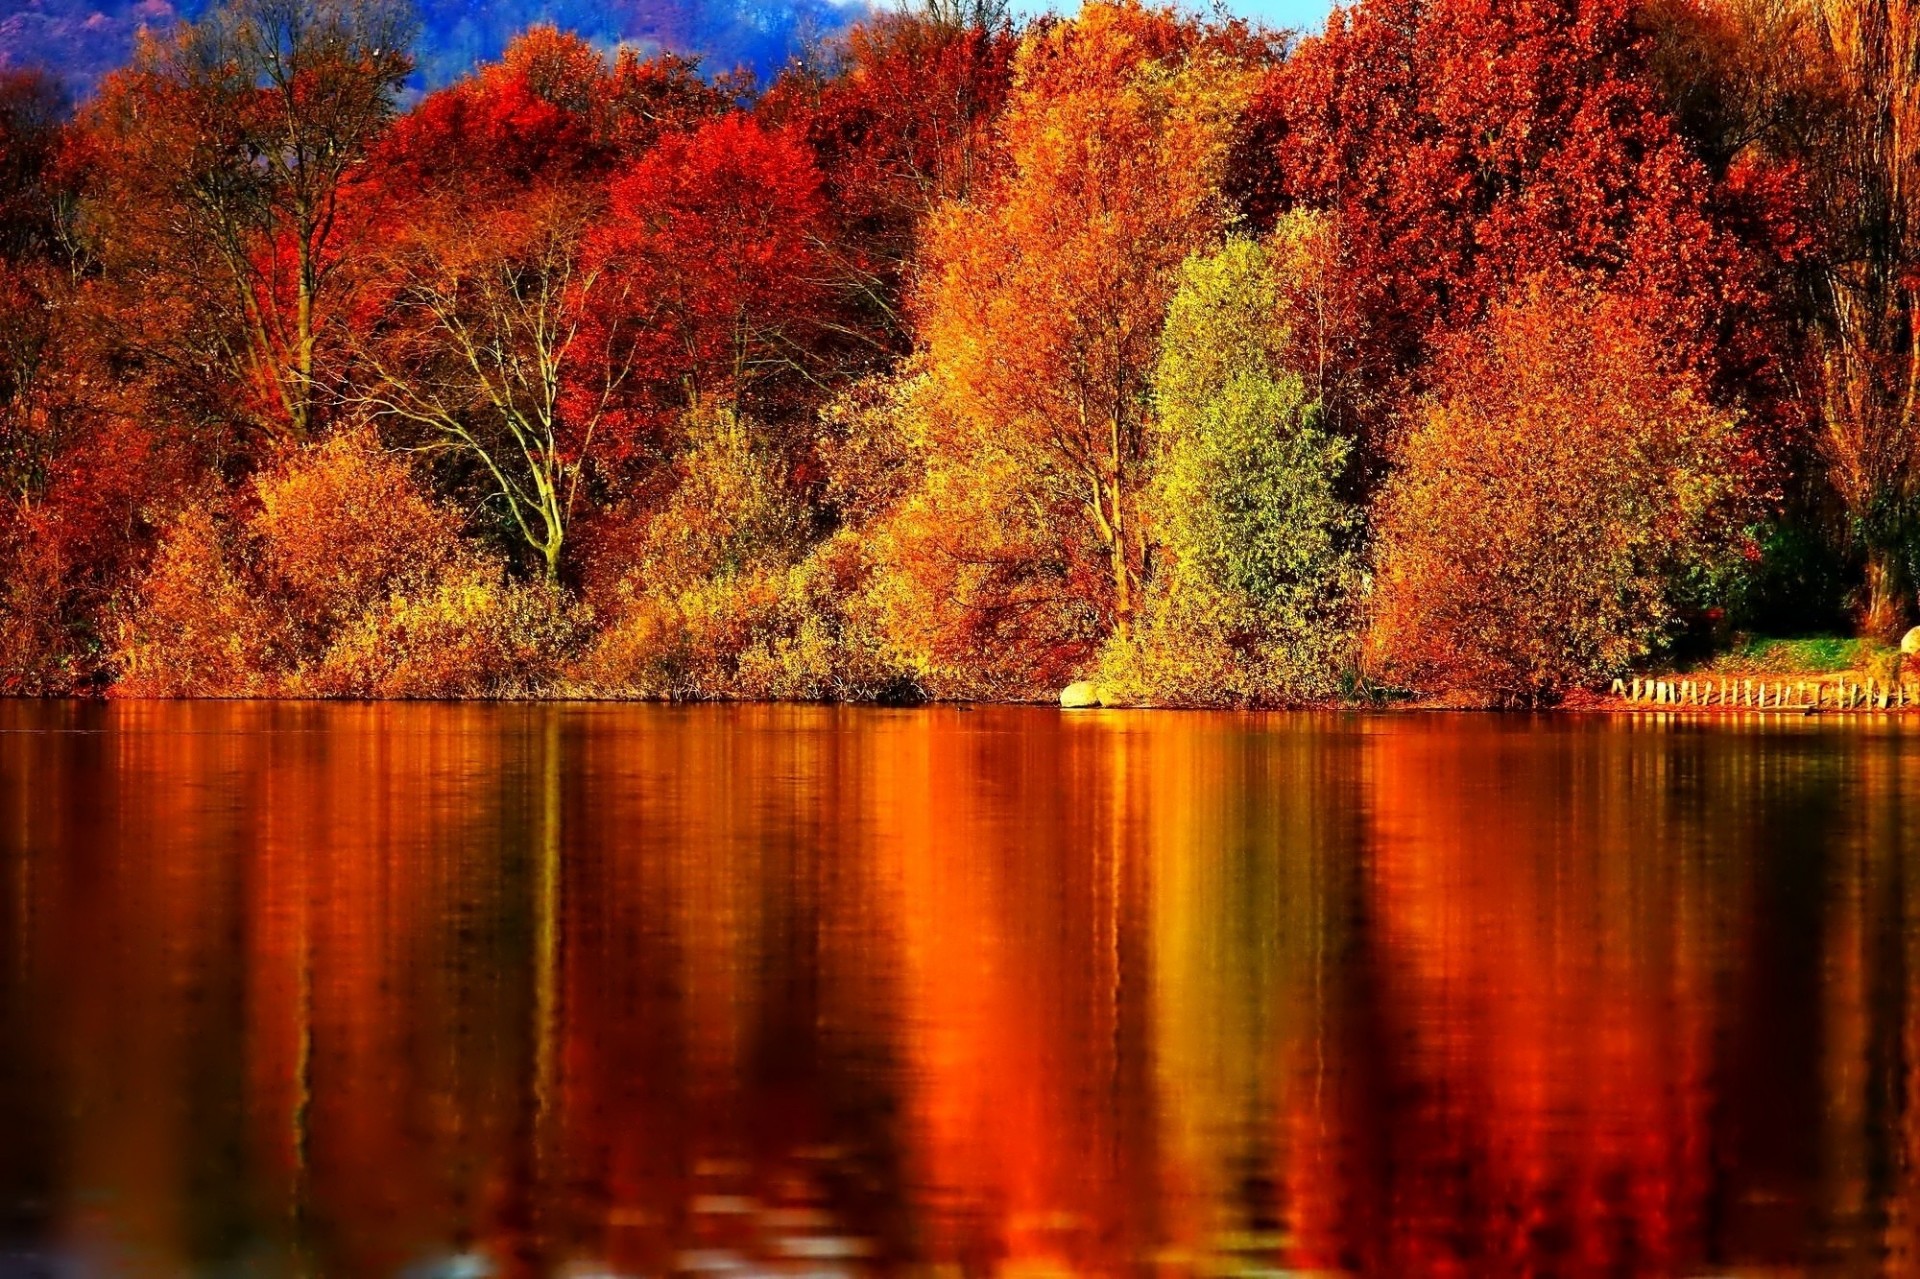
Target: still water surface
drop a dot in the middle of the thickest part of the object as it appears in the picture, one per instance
(455, 990)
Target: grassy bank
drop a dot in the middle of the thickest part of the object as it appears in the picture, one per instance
(1807, 656)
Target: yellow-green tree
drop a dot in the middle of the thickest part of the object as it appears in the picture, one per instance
(1256, 576)
(1040, 314)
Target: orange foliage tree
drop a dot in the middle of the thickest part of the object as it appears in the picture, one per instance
(1559, 489)
(1040, 312)
(1867, 321)
(1818, 97)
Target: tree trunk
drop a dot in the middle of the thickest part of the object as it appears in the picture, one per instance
(1122, 577)
(1885, 608)
(303, 354)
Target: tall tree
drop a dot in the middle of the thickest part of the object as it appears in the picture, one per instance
(31, 228)
(225, 160)
(1465, 145)
(503, 331)
(1825, 94)
(1042, 299)
(900, 122)
(31, 107)
(714, 238)
(484, 351)
(1867, 174)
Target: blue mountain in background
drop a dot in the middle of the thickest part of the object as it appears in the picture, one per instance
(81, 40)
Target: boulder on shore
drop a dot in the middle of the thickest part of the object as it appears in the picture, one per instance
(1910, 642)
(1081, 695)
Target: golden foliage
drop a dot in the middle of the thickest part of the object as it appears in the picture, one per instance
(343, 522)
(344, 581)
(199, 626)
(1041, 306)
(727, 598)
(468, 632)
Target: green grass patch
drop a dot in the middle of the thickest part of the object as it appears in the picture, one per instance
(1814, 655)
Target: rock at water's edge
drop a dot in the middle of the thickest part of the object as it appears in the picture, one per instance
(1910, 642)
(1080, 696)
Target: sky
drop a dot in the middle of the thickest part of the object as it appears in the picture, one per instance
(1303, 14)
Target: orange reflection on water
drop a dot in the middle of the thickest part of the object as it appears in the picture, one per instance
(351, 989)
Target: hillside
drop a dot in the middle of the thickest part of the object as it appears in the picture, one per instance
(84, 39)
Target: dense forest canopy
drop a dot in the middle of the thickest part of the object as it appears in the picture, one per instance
(1492, 344)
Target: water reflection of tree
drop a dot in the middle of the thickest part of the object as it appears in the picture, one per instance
(1256, 849)
(1547, 932)
(1002, 990)
(1868, 894)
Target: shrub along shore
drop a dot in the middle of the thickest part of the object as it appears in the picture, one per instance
(1470, 352)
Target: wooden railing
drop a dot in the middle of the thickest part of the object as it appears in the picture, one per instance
(1805, 695)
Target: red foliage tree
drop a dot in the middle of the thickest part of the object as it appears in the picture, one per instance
(553, 109)
(223, 161)
(715, 238)
(904, 122)
(80, 462)
(1467, 145)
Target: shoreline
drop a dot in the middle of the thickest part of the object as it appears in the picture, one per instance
(1579, 702)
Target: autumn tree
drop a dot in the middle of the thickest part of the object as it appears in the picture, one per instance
(1867, 332)
(1563, 484)
(552, 110)
(1465, 145)
(489, 333)
(711, 245)
(1826, 94)
(32, 224)
(484, 352)
(1257, 568)
(901, 120)
(1041, 307)
(36, 572)
(224, 160)
(337, 575)
(31, 107)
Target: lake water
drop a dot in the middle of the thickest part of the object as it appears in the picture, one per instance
(458, 990)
